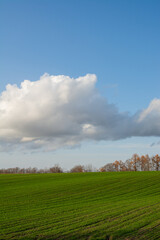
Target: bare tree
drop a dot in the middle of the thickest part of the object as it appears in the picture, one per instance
(122, 166)
(102, 169)
(156, 162)
(78, 168)
(56, 169)
(88, 168)
(136, 161)
(116, 165)
(109, 167)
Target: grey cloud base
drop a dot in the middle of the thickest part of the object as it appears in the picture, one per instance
(59, 111)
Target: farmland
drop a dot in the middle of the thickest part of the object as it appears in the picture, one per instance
(122, 205)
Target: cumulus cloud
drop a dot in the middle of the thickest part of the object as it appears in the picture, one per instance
(59, 111)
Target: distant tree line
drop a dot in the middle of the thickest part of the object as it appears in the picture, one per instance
(55, 169)
(135, 163)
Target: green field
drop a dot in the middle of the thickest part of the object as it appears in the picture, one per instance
(124, 205)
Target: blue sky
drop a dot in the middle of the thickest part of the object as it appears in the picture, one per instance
(116, 40)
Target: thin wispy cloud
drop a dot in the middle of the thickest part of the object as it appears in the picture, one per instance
(59, 111)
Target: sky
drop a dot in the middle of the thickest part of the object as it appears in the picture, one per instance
(79, 81)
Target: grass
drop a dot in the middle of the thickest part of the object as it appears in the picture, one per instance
(115, 206)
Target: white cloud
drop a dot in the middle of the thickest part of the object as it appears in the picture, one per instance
(59, 111)
(149, 119)
(153, 110)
